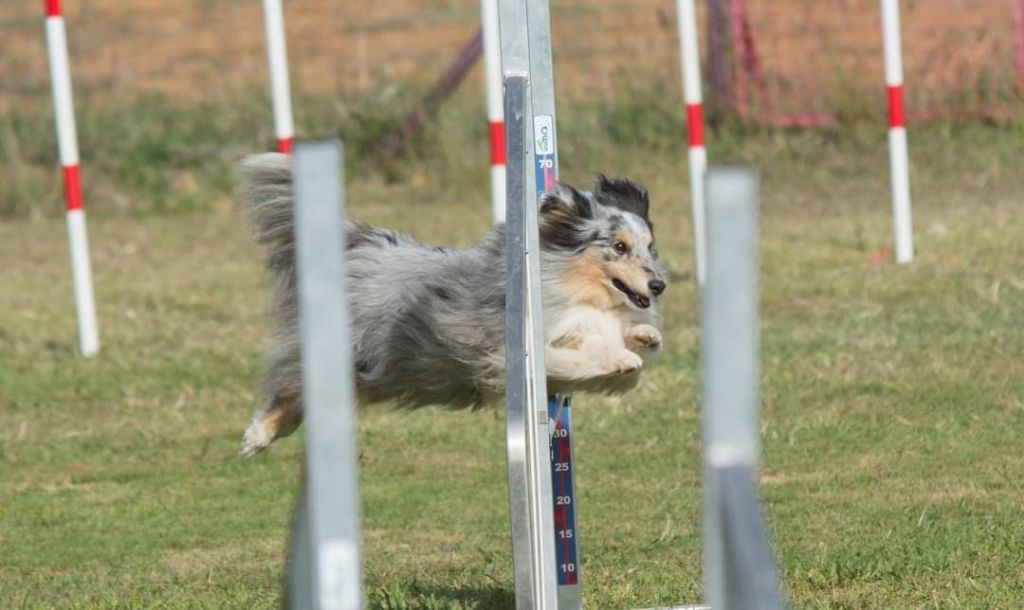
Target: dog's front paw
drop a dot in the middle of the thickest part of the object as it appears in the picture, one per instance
(643, 337)
(625, 362)
(255, 439)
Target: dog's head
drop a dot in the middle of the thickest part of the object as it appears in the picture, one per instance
(608, 234)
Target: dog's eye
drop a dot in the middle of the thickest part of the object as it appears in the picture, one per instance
(620, 247)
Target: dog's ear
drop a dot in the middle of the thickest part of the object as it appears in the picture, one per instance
(564, 213)
(624, 194)
(564, 203)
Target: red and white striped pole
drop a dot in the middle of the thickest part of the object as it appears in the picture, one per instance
(698, 156)
(495, 101)
(67, 144)
(280, 89)
(898, 162)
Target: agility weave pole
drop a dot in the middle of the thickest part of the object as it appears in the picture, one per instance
(67, 144)
(526, 58)
(898, 161)
(495, 109)
(280, 88)
(697, 154)
(739, 565)
(324, 568)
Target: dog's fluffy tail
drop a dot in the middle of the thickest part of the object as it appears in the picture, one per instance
(267, 190)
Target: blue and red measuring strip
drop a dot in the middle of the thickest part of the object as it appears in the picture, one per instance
(563, 490)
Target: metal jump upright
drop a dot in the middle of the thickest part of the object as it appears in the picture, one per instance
(324, 569)
(541, 485)
(526, 424)
(739, 565)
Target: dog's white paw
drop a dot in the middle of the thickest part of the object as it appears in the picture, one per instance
(644, 336)
(625, 362)
(256, 439)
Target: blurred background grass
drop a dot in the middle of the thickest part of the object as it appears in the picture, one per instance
(155, 156)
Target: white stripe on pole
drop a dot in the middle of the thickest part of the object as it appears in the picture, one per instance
(698, 158)
(81, 274)
(902, 221)
(277, 58)
(498, 191)
(898, 155)
(697, 154)
(495, 111)
(67, 143)
(63, 102)
(892, 42)
(688, 50)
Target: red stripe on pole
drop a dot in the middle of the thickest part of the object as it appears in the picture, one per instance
(284, 145)
(497, 143)
(896, 118)
(695, 125)
(72, 188)
(52, 8)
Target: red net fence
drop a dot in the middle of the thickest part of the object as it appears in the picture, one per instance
(787, 62)
(961, 58)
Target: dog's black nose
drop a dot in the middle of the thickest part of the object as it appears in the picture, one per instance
(657, 287)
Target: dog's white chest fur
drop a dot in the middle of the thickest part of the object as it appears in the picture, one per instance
(591, 348)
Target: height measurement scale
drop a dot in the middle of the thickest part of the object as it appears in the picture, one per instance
(564, 492)
(525, 32)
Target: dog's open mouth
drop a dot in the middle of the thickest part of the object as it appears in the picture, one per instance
(641, 301)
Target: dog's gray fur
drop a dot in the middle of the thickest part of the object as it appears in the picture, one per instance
(428, 323)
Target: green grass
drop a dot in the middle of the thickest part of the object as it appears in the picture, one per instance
(892, 397)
